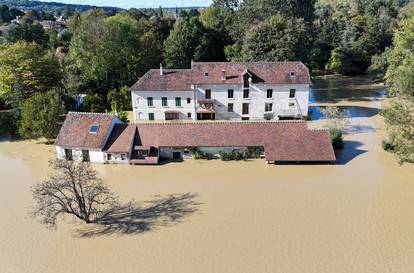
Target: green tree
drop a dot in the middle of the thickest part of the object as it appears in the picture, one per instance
(40, 115)
(120, 99)
(190, 40)
(5, 16)
(277, 39)
(400, 78)
(24, 70)
(110, 52)
(29, 32)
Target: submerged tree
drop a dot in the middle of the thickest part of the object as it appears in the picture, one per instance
(73, 189)
(336, 120)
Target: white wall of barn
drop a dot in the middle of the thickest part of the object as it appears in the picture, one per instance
(60, 153)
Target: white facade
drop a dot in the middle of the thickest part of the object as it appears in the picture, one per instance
(142, 107)
(282, 104)
(85, 154)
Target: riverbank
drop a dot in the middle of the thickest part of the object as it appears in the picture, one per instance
(231, 216)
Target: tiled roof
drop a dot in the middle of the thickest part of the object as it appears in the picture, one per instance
(283, 141)
(120, 140)
(262, 72)
(212, 73)
(171, 80)
(75, 130)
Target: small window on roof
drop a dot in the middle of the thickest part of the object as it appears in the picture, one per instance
(292, 73)
(94, 129)
(206, 74)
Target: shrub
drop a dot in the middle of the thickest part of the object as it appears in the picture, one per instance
(388, 145)
(8, 122)
(336, 138)
(233, 155)
(201, 155)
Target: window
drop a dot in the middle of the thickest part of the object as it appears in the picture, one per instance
(230, 93)
(171, 116)
(208, 94)
(268, 107)
(150, 101)
(188, 115)
(246, 80)
(292, 73)
(188, 100)
(246, 93)
(123, 156)
(205, 74)
(94, 129)
(178, 101)
(109, 156)
(245, 118)
(164, 101)
(230, 107)
(151, 116)
(245, 110)
(291, 104)
(269, 93)
(292, 93)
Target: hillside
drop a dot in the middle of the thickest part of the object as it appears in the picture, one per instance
(51, 6)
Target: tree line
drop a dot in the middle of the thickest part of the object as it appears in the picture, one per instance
(102, 53)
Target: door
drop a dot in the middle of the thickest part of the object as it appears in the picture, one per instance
(176, 155)
(68, 154)
(85, 155)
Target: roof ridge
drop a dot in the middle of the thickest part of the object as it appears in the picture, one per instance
(259, 62)
(284, 122)
(91, 113)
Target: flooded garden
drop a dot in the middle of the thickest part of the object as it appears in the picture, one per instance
(215, 216)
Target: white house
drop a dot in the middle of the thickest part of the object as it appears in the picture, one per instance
(224, 91)
(83, 136)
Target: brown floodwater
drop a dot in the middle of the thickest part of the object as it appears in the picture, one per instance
(212, 216)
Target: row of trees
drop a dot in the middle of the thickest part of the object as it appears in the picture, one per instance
(102, 54)
(400, 78)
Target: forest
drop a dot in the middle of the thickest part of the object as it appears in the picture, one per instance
(102, 53)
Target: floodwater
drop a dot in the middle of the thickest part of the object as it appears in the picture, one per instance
(213, 216)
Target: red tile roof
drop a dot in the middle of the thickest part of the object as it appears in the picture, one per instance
(283, 141)
(121, 139)
(171, 80)
(262, 72)
(75, 131)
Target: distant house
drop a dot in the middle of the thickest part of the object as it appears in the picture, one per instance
(103, 138)
(57, 26)
(223, 91)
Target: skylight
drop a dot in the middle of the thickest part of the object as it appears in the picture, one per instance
(94, 129)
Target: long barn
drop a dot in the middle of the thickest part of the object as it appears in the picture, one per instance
(104, 138)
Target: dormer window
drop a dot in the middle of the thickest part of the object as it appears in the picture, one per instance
(205, 74)
(94, 129)
(292, 73)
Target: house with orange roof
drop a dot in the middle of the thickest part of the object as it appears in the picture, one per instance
(103, 138)
(223, 91)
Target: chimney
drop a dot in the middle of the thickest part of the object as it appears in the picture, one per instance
(161, 70)
(223, 75)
